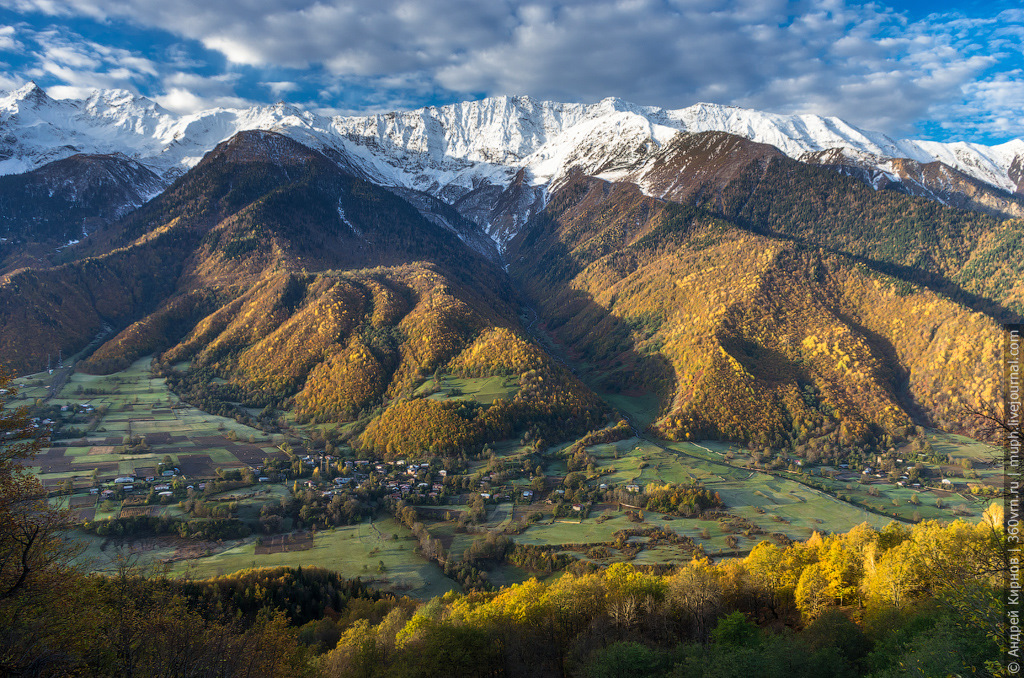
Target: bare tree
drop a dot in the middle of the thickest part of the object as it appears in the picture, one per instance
(34, 559)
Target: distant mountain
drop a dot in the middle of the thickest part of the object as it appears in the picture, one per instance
(62, 202)
(451, 151)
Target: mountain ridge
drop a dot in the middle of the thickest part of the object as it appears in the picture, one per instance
(752, 296)
(450, 151)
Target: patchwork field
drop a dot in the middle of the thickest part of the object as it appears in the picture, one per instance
(131, 425)
(115, 409)
(774, 505)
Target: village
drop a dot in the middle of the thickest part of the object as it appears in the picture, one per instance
(134, 465)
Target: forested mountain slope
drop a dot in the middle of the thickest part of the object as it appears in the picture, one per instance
(760, 298)
(747, 336)
(297, 285)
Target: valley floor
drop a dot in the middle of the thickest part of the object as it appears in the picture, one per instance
(108, 414)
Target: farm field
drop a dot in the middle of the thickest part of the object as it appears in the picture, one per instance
(776, 506)
(880, 496)
(123, 409)
(132, 404)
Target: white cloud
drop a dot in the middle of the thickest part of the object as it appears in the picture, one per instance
(189, 92)
(180, 100)
(69, 92)
(8, 41)
(236, 51)
(281, 87)
(84, 63)
(8, 83)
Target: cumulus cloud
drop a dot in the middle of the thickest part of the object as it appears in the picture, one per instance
(8, 41)
(79, 65)
(862, 62)
(281, 87)
(9, 84)
(188, 92)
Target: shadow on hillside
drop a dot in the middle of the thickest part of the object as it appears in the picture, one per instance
(900, 375)
(764, 363)
(601, 350)
(933, 282)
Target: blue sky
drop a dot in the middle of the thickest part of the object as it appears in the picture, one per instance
(945, 69)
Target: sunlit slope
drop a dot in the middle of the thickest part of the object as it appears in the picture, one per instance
(746, 336)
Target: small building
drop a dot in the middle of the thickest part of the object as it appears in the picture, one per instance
(632, 487)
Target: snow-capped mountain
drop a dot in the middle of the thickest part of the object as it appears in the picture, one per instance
(450, 151)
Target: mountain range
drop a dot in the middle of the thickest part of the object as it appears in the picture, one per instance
(789, 281)
(451, 151)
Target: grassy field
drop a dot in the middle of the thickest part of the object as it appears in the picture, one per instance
(132, 403)
(352, 551)
(882, 497)
(483, 390)
(773, 504)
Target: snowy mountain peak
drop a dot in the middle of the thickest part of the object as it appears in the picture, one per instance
(29, 94)
(107, 100)
(453, 149)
